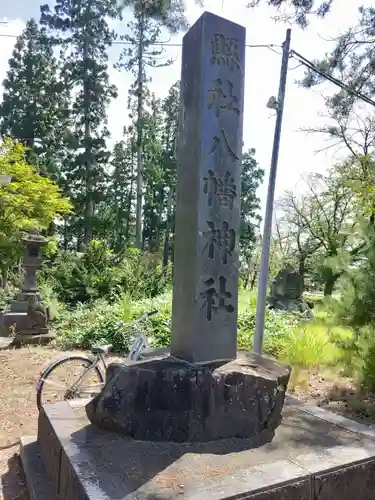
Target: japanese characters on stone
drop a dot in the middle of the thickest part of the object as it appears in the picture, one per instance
(220, 189)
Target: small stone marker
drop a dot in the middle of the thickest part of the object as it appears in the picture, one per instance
(205, 292)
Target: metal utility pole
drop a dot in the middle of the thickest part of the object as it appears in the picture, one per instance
(266, 241)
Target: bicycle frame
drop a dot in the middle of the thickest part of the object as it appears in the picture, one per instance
(95, 362)
(135, 353)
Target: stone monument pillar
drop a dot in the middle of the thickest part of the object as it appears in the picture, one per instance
(205, 292)
(205, 390)
(28, 316)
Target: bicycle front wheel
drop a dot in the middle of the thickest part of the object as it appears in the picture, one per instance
(69, 378)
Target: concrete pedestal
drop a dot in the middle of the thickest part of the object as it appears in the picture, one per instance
(316, 455)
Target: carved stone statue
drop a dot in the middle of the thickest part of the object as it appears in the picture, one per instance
(37, 313)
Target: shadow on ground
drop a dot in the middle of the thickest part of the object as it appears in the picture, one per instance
(13, 484)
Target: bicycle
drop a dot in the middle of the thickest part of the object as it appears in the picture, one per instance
(93, 365)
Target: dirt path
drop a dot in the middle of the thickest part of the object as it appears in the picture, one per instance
(20, 369)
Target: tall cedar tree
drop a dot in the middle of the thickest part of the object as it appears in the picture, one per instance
(119, 205)
(251, 179)
(80, 28)
(150, 19)
(33, 110)
(171, 110)
(159, 169)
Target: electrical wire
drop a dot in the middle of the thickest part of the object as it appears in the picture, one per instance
(271, 46)
(308, 64)
(167, 44)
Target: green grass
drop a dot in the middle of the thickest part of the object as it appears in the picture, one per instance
(309, 346)
(304, 345)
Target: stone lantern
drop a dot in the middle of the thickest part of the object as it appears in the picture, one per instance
(32, 261)
(27, 318)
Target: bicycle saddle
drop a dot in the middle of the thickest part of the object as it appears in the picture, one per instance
(102, 349)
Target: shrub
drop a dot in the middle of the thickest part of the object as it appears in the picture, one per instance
(360, 357)
(90, 325)
(368, 368)
(56, 308)
(99, 323)
(100, 274)
(6, 296)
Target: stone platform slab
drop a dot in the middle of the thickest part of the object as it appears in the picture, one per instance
(316, 455)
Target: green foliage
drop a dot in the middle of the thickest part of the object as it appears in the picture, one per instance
(251, 178)
(56, 308)
(7, 295)
(98, 273)
(308, 346)
(86, 326)
(28, 201)
(357, 302)
(351, 60)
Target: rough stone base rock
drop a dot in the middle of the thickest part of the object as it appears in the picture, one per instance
(166, 399)
(299, 306)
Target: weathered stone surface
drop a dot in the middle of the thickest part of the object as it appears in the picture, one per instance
(296, 491)
(286, 294)
(351, 483)
(288, 284)
(51, 449)
(168, 399)
(39, 485)
(87, 463)
(205, 287)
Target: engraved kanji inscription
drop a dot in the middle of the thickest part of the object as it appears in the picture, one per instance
(220, 241)
(221, 97)
(222, 188)
(225, 51)
(223, 139)
(215, 298)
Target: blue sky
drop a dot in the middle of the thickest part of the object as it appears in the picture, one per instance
(303, 108)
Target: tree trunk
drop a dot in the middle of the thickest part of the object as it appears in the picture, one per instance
(65, 239)
(253, 279)
(158, 225)
(167, 229)
(89, 206)
(329, 283)
(138, 218)
(130, 199)
(302, 265)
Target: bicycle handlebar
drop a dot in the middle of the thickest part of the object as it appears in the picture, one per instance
(139, 320)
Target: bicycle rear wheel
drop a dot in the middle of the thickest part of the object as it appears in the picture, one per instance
(72, 376)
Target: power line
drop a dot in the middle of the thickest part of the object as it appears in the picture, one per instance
(308, 64)
(167, 44)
